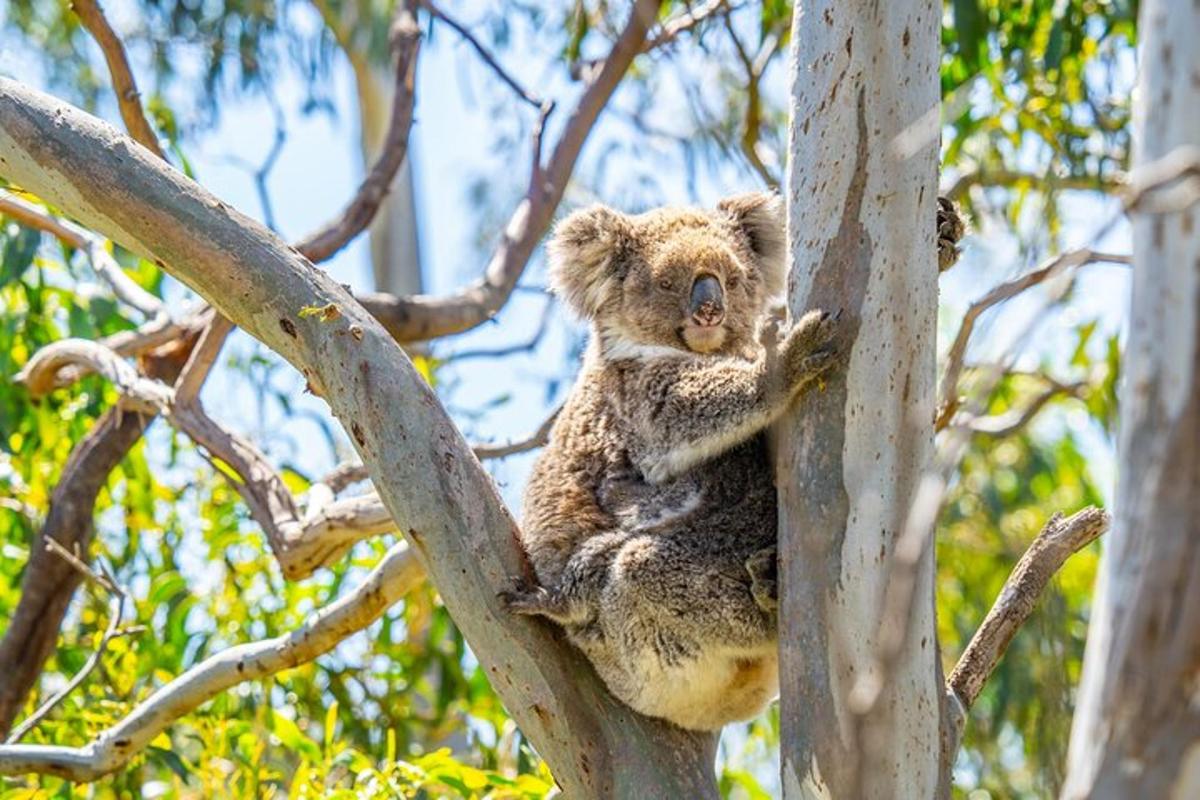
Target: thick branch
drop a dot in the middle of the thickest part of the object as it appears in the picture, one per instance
(393, 577)
(428, 478)
(128, 98)
(1058, 540)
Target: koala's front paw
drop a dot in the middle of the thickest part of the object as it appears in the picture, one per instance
(809, 350)
(538, 601)
(764, 579)
(950, 229)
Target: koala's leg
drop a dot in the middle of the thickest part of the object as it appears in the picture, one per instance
(572, 601)
(679, 595)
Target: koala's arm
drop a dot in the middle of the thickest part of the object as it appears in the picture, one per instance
(689, 409)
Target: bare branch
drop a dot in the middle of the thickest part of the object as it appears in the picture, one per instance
(1168, 185)
(423, 317)
(204, 356)
(1058, 540)
(392, 578)
(462, 30)
(687, 20)
(512, 349)
(948, 400)
(535, 440)
(48, 582)
(128, 98)
(322, 244)
(115, 613)
(1010, 178)
(1010, 422)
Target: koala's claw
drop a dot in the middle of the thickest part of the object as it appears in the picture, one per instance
(536, 601)
(764, 579)
(950, 229)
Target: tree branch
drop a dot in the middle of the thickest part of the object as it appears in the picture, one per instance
(687, 20)
(322, 244)
(948, 399)
(392, 578)
(124, 85)
(105, 266)
(462, 30)
(48, 582)
(115, 614)
(988, 177)
(1058, 540)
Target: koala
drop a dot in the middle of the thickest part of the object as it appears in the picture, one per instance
(650, 516)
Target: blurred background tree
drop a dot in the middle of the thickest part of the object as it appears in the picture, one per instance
(263, 100)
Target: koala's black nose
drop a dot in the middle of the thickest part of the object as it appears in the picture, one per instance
(708, 301)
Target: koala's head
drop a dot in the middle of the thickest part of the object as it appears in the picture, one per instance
(683, 278)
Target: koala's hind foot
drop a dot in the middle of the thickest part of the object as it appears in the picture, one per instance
(764, 578)
(538, 601)
(950, 229)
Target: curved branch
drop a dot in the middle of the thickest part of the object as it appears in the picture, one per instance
(1058, 540)
(948, 400)
(322, 244)
(393, 577)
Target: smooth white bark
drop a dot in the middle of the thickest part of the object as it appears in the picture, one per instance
(861, 194)
(1137, 728)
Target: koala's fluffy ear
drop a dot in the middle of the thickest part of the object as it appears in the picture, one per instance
(585, 255)
(759, 217)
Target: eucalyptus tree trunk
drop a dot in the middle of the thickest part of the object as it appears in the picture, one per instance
(395, 248)
(1137, 728)
(861, 193)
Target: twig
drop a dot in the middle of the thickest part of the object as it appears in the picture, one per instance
(115, 612)
(531, 442)
(462, 30)
(128, 98)
(686, 21)
(949, 402)
(1058, 540)
(512, 349)
(1050, 182)
(1010, 422)
(396, 574)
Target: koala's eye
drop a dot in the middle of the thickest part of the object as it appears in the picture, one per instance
(665, 283)
(732, 282)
